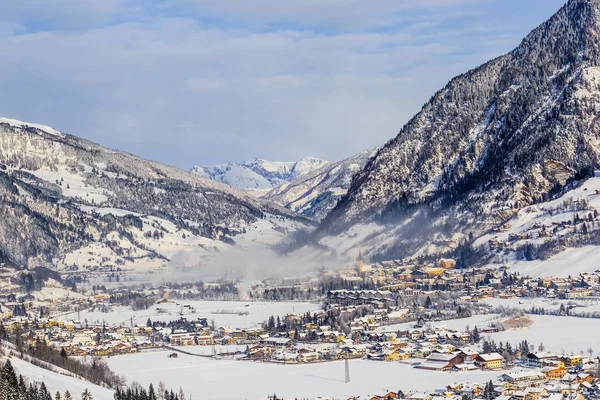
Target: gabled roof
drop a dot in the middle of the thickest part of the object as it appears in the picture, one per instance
(490, 357)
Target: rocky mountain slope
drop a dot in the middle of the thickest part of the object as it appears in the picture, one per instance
(508, 134)
(72, 204)
(315, 194)
(259, 175)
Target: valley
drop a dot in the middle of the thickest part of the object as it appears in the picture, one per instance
(457, 260)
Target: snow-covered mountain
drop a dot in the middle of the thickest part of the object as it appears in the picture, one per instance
(259, 175)
(315, 194)
(510, 133)
(69, 203)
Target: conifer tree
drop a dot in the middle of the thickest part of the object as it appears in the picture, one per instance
(86, 395)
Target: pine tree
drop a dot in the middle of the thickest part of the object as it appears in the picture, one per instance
(9, 384)
(57, 396)
(428, 302)
(44, 393)
(86, 395)
(161, 390)
(475, 335)
(67, 395)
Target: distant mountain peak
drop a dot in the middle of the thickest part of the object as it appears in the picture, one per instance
(259, 174)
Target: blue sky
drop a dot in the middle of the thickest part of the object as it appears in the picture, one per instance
(191, 82)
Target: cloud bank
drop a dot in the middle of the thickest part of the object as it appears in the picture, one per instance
(199, 81)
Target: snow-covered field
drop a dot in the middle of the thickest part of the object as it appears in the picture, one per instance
(208, 350)
(229, 379)
(580, 306)
(560, 335)
(59, 382)
(453, 324)
(258, 312)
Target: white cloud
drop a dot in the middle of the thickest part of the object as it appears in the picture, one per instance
(185, 92)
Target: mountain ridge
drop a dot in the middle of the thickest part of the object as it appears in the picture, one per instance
(495, 139)
(316, 193)
(259, 174)
(70, 203)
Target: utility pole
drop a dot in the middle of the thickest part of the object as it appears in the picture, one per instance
(347, 369)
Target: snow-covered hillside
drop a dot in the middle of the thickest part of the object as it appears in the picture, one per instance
(555, 238)
(316, 193)
(510, 133)
(78, 206)
(259, 175)
(59, 381)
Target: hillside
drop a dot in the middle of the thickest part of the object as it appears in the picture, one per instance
(59, 381)
(510, 133)
(258, 175)
(315, 194)
(78, 206)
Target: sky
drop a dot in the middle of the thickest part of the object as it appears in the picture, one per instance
(197, 82)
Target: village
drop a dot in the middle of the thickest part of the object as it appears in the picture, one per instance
(400, 317)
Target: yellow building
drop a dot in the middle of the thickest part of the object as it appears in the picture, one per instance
(554, 372)
(489, 361)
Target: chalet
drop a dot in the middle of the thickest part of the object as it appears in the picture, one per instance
(273, 341)
(387, 396)
(182, 339)
(571, 361)
(468, 355)
(523, 375)
(540, 359)
(589, 378)
(465, 367)
(489, 361)
(204, 339)
(554, 372)
(307, 357)
(260, 353)
(440, 362)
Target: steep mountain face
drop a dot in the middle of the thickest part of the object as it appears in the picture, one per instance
(315, 194)
(258, 174)
(505, 135)
(73, 204)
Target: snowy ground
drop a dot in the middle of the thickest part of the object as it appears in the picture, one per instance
(453, 324)
(560, 335)
(229, 379)
(569, 262)
(59, 382)
(580, 306)
(208, 350)
(258, 312)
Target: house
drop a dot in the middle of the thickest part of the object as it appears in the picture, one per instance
(465, 367)
(523, 375)
(308, 357)
(554, 372)
(394, 355)
(572, 361)
(387, 396)
(440, 362)
(569, 389)
(540, 359)
(589, 378)
(489, 361)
